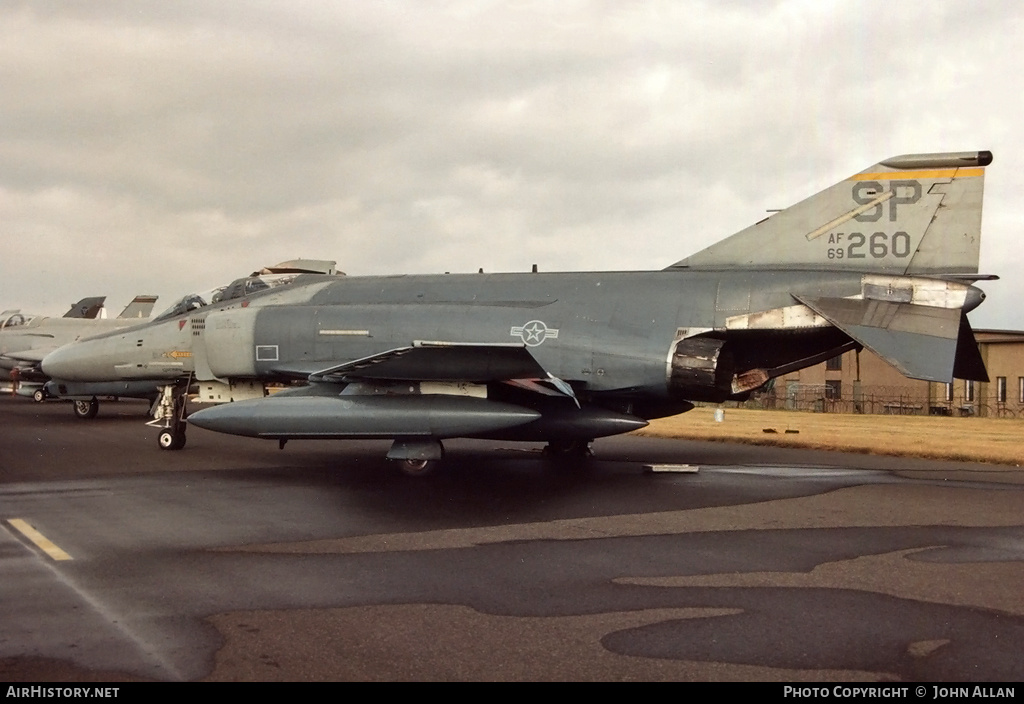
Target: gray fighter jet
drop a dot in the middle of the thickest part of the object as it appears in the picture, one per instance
(137, 382)
(885, 259)
(26, 339)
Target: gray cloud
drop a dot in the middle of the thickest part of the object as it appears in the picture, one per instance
(165, 147)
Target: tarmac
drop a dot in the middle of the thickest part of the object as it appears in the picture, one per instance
(232, 560)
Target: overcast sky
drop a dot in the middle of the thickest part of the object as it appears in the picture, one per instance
(167, 147)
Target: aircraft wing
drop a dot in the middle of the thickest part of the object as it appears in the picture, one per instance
(922, 342)
(472, 363)
(423, 362)
(319, 411)
(441, 361)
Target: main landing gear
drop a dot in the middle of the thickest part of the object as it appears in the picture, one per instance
(417, 468)
(169, 416)
(416, 458)
(420, 458)
(568, 455)
(86, 409)
(568, 449)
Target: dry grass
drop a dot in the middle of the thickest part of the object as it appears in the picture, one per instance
(965, 439)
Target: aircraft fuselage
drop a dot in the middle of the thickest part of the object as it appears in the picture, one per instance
(603, 332)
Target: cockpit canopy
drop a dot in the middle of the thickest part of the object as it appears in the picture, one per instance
(267, 278)
(239, 288)
(14, 319)
(187, 304)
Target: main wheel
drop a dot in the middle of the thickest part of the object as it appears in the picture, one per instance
(39, 396)
(171, 439)
(417, 468)
(86, 409)
(568, 455)
(566, 449)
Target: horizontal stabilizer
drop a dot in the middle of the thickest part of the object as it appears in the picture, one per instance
(920, 341)
(969, 365)
(476, 363)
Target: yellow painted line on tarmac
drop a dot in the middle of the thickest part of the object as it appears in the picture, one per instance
(40, 540)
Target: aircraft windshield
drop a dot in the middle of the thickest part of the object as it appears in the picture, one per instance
(15, 320)
(189, 303)
(236, 289)
(252, 284)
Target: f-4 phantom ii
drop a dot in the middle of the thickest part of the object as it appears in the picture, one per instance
(26, 339)
(885, 259)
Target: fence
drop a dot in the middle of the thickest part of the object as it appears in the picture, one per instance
(883, 400)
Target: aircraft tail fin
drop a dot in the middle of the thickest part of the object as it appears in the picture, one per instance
(86, 308)
(910, 214)
(140, 307)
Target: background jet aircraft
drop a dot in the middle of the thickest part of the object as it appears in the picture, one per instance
(18, 333)
(884, 259)
(146, 375)
(26, 339)
(90, 307)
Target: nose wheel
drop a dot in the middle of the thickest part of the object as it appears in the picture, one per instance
(172, 438)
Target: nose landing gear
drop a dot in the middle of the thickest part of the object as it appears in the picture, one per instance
(416, 457)
(172, 438)
(169, 416)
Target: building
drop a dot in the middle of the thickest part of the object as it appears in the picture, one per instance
(862, 382)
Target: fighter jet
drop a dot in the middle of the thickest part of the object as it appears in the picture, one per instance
(26, 339)
(148, 381)
(885, 259)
